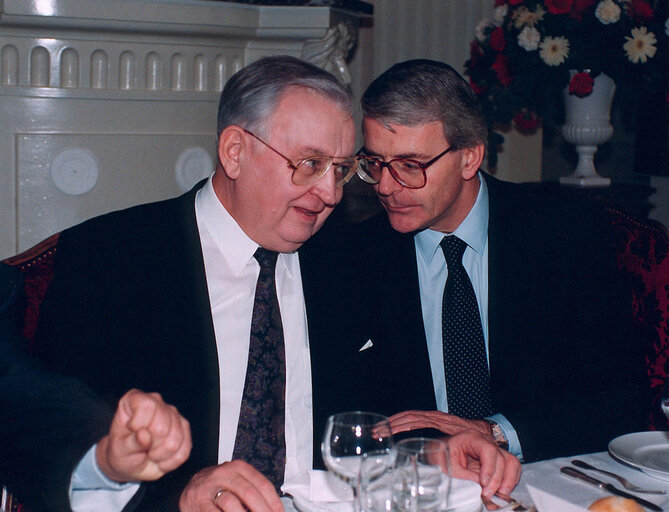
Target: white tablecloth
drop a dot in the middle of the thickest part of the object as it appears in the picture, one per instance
(545, 475)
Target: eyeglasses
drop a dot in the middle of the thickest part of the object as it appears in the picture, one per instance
(311, 169)
(407, 172)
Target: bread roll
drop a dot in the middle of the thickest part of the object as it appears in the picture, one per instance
(615, 504)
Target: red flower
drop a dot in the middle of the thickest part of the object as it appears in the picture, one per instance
(559, 6)
(526, 121)
(501, 69)
(581, 84)
(497, 41)
(640, 10)
(579, 8)
(516, 2)
(475, 87)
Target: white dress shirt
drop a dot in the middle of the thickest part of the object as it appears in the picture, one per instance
(432, 275)
(231, 273)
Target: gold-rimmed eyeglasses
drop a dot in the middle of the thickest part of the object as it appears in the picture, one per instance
(407, 172)
(309, 170)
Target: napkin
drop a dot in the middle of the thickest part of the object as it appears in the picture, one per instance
(319, 491)
(547, 502)
(464, 496)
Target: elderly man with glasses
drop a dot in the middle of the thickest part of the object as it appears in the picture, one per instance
(201, 297)
(475, 304)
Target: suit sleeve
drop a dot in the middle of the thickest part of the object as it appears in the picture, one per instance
(47, 421)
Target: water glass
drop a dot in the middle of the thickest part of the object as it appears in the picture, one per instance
(421, 475)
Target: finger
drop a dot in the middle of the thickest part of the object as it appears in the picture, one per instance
(512, 474)
(263, 494)
(230, 503)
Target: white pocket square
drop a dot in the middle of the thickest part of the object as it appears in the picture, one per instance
(367, 345)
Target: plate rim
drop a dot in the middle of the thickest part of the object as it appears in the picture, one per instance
(650, 471)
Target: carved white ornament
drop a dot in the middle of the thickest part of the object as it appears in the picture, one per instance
(74, 171)
(194, 164)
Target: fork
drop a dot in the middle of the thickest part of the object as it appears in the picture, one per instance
(626, 483)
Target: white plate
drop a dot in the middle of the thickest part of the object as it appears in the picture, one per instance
(647, 451)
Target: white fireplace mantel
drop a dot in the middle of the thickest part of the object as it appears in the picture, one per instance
(106, 104)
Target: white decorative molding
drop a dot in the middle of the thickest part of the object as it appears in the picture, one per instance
(74, 171)
(136, 84)
(194, 164)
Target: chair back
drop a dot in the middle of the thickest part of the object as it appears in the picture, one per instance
(643, 257)
(36, 264)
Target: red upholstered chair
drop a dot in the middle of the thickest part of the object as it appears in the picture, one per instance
(36, 264)
(643, 257)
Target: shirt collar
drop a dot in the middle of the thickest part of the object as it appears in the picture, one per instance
(473, 230)
(230, 239)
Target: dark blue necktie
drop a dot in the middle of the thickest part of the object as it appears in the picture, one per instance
(260, 439)
(465, 361)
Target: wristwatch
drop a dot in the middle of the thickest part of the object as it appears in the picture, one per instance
(498, 435)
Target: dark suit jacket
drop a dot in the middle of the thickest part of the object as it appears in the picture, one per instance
(565, 369)
(128, 307)
(47, 421)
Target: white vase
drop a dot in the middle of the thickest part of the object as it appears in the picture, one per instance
(586, 126)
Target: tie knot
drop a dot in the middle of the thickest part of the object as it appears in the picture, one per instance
(453, 249)
(266, 258)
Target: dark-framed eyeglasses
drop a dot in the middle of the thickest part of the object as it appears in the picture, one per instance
(309, 170)
(407, 172)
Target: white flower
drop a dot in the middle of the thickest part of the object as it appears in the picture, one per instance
(523, 16)
(641, 45)
(479, 32)
(529, 38)
(554, 50)
(666, 27)
(607, 12)
(499, 15)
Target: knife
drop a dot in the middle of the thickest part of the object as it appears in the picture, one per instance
(573, 472)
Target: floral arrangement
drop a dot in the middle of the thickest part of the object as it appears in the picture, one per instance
(520, 61)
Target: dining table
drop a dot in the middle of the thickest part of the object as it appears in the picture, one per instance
(546, 476)
(628, 457)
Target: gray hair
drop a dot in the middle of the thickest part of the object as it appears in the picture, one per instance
(251, 95)
(422, 91)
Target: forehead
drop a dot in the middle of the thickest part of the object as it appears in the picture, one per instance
(305, 117)
(396, 139)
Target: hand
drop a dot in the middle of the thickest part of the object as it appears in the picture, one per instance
(232, 486)
(147, 439)
(446, 423)
(475, 457)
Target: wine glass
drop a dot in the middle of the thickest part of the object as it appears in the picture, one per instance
(358, 448)
(422, 475)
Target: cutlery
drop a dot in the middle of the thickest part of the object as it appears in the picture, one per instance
(626, 483)
(575, 473)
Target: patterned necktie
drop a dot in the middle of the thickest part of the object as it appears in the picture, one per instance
(465, 361)
(260, 437)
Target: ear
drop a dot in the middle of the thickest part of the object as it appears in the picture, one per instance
(471, 161)
(230, 146)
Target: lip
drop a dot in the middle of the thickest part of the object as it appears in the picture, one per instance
(396, 209)
(308, 212)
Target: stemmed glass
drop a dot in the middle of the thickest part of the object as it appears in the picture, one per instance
(358, 448)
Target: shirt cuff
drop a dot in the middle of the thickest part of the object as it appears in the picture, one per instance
(510, 434)
(91, 490)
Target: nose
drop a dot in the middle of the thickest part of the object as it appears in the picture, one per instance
(326, 189)
(387, 184)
